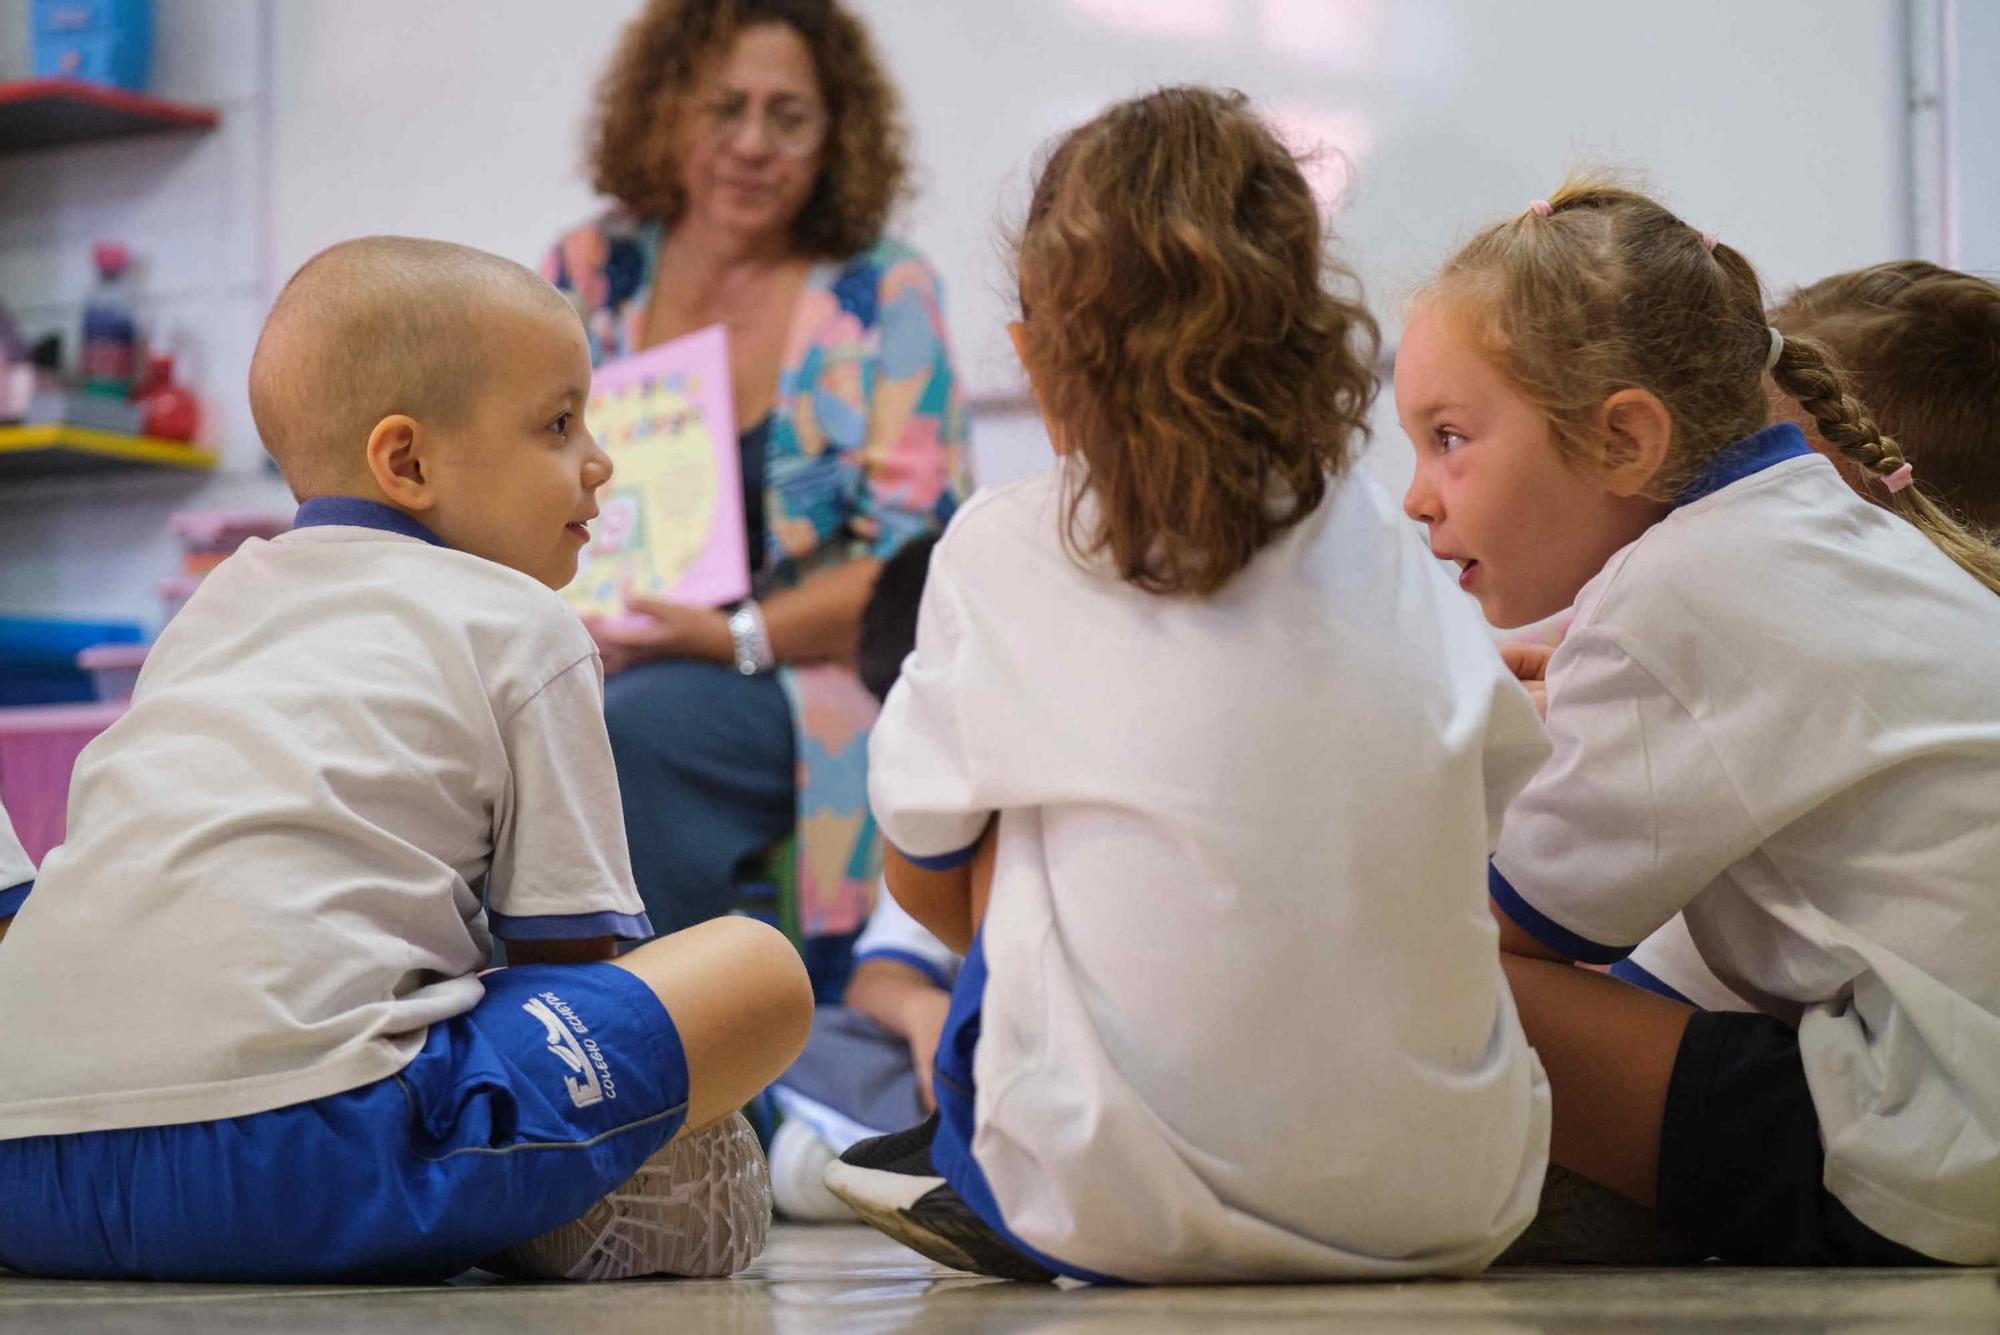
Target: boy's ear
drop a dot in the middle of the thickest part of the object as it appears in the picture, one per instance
(1638, 429)
(397, 462)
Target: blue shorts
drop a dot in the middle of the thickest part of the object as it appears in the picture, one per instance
(957, 1097)
(513, 1119)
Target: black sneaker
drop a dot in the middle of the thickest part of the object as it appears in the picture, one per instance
(892, 1184)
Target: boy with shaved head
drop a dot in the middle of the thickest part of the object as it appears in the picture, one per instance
(249, 1029)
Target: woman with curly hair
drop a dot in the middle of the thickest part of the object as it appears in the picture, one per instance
(755, 150)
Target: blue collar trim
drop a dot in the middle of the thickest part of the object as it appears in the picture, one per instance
(1752, 454)
(353, 512)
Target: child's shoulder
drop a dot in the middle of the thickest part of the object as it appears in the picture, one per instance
(997, 518)
(350, 576)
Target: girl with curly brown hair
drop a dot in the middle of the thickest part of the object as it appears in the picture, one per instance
(1773, 713)
(1231, 1009)
(756, 151)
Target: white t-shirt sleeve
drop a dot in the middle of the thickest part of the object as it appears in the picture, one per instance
(923, 782)
(561, 870)
(1632, 817)
(1670, 963)
(17, 873)
(892, 934)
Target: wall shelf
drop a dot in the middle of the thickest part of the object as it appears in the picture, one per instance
(59, 450)
(44, 113)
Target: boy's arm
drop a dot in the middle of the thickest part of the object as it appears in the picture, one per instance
(581, 950)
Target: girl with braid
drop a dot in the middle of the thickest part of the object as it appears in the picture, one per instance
(1921, 346)
(1773, 713)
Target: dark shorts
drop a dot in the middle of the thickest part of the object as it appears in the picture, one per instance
(514, 1118)
(1741, 1163)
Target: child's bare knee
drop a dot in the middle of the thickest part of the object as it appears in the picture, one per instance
(775, 982)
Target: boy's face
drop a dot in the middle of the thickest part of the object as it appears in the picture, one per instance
(1526, 529)
(517, 481)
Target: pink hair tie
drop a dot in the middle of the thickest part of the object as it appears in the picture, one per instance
(1708, 242)
(1899, 479)
(1540, 208)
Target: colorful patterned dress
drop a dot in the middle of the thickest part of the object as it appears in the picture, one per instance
(867, 449)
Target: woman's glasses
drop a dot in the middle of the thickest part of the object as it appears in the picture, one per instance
(793, 129)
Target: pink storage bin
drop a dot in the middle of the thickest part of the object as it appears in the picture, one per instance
(225, 530)
(113, 668)
(38, 750)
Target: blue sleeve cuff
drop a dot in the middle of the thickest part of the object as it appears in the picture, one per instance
(944, 861)
(927, 968)
(13, 897)
(1546, 930)
(1627, 971)
(569, 926)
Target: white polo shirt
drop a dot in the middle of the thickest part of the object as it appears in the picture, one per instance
(17, 873)
(276, 861)
(1244, 1016)
(1777, 714)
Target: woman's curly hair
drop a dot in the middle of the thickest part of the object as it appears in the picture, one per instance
(1185, 339)
(645, 94)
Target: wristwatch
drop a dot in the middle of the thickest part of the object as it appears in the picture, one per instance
(752, 641)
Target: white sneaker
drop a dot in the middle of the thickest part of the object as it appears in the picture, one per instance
(799, 1156)
(700, 1208)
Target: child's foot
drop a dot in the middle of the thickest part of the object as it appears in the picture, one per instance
(892, 1185)
(700, 1208)
(799, 1158)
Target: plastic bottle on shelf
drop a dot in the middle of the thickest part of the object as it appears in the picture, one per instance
(171, 412)
(110, 335)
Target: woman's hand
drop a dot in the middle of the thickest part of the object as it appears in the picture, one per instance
(653, 629)
(1530, 664)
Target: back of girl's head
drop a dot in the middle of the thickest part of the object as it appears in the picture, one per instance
(1183, 338)
(1922, 345)
(1604, 289)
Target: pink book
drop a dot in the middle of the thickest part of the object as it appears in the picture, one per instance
(670, 521)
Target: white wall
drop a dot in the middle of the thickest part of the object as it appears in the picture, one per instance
(192, 208)
(1778, 124)
(1973, 115)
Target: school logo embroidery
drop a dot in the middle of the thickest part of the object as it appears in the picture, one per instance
(589, 1081)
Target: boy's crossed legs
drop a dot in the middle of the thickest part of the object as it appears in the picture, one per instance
(701, 1204)
(565, 1084)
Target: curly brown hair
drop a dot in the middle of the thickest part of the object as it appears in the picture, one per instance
(644, 95)
(1610, 290)
(1185, 337)
(1922, 344)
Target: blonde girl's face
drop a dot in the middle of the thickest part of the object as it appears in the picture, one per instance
(1525, 528)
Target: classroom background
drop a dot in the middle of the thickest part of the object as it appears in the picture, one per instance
(1814, 135)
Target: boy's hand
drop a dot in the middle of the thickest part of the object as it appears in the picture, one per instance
(1530, 664)
(654, 629)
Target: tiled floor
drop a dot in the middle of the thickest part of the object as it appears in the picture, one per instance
(848, 1281)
